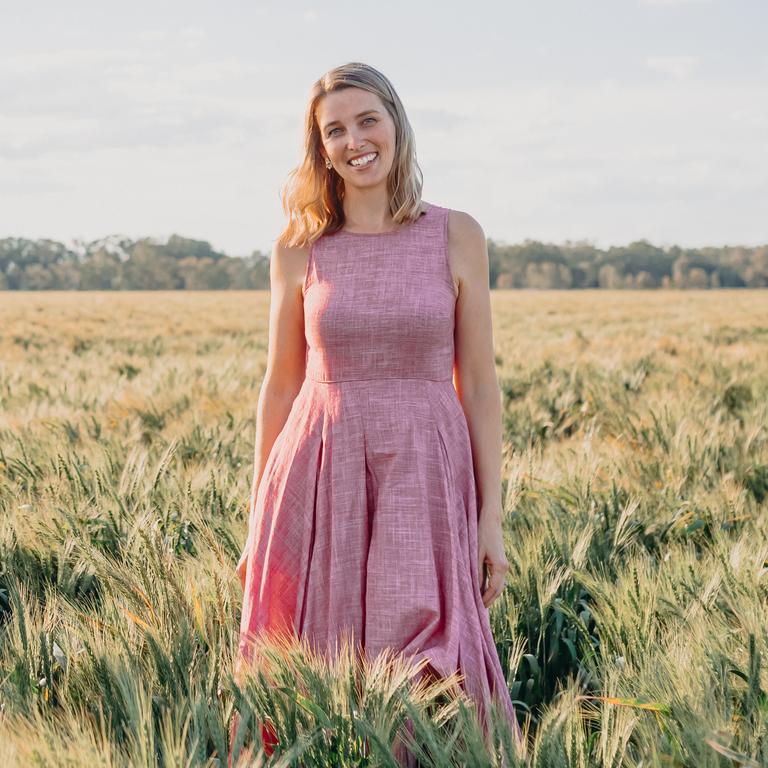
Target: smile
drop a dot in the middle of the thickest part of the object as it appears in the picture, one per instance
(366, 160)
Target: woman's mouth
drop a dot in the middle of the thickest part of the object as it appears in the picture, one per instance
(366, 161)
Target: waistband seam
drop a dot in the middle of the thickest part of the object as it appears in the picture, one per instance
(377, 378)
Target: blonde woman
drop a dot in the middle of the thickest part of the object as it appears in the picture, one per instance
(376, 502)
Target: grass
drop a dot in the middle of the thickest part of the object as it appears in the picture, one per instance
(632, 629)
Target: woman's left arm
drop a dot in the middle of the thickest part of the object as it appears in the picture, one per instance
(478, 390)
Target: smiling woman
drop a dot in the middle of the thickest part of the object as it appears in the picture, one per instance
(375, 507)
(346, 123)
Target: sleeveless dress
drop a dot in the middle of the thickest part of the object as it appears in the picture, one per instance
(365, 518)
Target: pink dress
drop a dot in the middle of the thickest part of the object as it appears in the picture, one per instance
(365, 519)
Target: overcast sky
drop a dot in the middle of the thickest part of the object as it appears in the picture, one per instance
(604, 120)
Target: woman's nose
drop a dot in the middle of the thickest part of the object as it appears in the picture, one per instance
(355, 141)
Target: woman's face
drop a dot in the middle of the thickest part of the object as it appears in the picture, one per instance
(354, 123)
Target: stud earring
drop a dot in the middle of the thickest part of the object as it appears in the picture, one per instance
(328, 163)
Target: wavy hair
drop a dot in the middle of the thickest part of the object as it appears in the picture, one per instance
(313, 194)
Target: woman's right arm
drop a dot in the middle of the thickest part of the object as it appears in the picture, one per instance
(285, 363)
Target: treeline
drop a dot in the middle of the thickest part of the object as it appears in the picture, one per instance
(637, 265)
(120, 264)
(114, 263)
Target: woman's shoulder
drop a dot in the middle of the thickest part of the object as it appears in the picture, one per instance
(463, 226)
(460, 223)
(286, 254)
(288, 263)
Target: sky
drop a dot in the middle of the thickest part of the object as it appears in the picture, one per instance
(600, 120)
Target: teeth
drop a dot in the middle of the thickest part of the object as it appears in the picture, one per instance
(363, 160)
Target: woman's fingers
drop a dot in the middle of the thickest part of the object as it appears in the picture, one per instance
(241, 568)
(497, 572)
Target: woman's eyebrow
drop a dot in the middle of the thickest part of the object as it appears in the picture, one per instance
(367, 112)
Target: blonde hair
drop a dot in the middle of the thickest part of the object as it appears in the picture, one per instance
(313, 194)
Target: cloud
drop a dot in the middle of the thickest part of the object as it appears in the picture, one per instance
(191, 37)
(43, 62)
(75, 101)
(153, 35)
(680, 67)
(674, 3)
(437, 119)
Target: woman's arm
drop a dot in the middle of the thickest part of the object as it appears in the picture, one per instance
(285, 364)
(478, 389)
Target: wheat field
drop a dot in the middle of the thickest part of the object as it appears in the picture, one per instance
(633, 626)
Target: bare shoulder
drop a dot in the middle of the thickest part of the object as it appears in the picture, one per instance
(288, 265)
(467, 246)
(464, 229)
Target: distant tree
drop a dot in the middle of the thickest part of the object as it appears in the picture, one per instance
(100, 272)
(584, 275)
(36, 277)
(680, 269)
(66, 275)
(645, 279)
(182, 247)
(608, 277)
(494, 262)
(149, 269)
(505, 280)
(547, 275)
(756, 274)
(215, 275)
(697, 278)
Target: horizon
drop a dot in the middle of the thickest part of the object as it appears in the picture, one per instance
(80, 246)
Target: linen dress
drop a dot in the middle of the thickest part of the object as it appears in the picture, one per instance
(365, 518)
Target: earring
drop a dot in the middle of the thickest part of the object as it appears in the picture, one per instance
(328, 163)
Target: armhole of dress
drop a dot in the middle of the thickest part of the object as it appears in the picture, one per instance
(446, 259)
(308, 272)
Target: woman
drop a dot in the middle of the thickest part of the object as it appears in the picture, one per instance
(376, 502)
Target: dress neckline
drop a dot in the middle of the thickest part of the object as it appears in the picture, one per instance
(405, 228)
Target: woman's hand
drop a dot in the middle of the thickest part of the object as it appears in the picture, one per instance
(491, 556)
(242, 567)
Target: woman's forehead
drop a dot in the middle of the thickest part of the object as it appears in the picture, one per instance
(344, 104)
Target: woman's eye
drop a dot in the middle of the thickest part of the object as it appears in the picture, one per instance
(333, 130)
